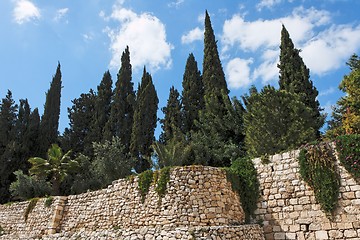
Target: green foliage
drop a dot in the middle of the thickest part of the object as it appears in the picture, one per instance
(48, 201)
(145, 118)
(243, 176)
(346, 115)
(30, 207)
(275, 121)
(318, 169)
(163, 179)
(171, 124)
(220, 136)
(348, 147)
(192, 95)
(56, 166)
(110, 162)
(26, 187)
(50, 119)
(145, 180)
(295, 78)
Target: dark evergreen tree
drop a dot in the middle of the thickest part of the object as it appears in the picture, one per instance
(192, 95)
(213, 74)
(33, 133)
(122, 108)
(50, 118)
(145, 119)
(8, 114)
(295, 78)
(275, 121)
(80, 116)
(101, 110)
(172, 121)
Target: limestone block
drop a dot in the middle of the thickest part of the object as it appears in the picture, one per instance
(350, 233)
(321, 235)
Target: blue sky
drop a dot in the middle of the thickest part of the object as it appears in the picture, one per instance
(88, 37)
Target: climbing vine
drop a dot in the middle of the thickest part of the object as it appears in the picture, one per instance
(318, 168)
(144, 183)
(163, 179)
(348, 148)
(30, 207)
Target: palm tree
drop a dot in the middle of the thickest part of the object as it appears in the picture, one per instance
(55, 167)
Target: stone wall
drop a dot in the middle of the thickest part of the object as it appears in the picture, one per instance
(288, 208)
(199, 202)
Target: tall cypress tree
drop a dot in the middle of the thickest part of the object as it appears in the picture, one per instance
(172, 121)
(8, 114)
(192, 95)
(213, 74)
(102, 109)
(80, 116)
(295, 78)
(33, 133)
(145, 119)
(122, 108)
(50, 118)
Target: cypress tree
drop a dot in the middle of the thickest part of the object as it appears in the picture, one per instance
(213, 74)
(80, 116)
(192, 95)
(172, 121)
(101, 109)
(50, 118)
(122, 108)
(295, 78)
(33, 133)
(8, 114)
(145, 119)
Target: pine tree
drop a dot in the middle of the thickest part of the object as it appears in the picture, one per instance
(172, 121)
(101, 109)
(295, 78)
(192, 95)
(213, 74)
(275, 121)
(122, 108)
(80, 116)
(8, 114)
(145, 119)
(50, 118)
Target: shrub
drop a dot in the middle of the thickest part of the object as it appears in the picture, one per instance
(348, 148)
(318, 169)
(26, 187)
(145, 180)
(243, 177)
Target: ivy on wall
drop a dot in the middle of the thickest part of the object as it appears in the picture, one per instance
(348, 148)
(318, 168)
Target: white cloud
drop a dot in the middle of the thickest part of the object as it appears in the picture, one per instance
(327, 92)
(176, 3)
(193, 35)
(25, 11)
(60, 14)
(145, 35)
(238, 73)
(267, 4)
(325, 46)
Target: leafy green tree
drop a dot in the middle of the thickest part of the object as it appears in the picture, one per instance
(50, 119)
(220, 137)
(295, 78)
(172, 120)
(8, 114)
(80, 115)
(26, 187)
(346, 115)
(192, 95)
(122, 109)
(276, 120)
(110, 162)
(213, 74)
(102, 109)
(56, 167)
(145, 119)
